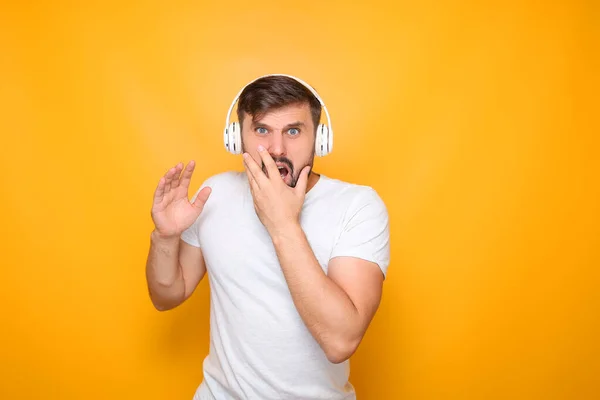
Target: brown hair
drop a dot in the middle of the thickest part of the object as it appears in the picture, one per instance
(272, 92)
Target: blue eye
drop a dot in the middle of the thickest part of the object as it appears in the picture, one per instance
(261, 130)
(294, 131)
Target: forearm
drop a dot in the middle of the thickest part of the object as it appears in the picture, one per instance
(325, 308)
(164, 273)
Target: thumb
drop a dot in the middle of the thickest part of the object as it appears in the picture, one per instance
(202, 197)
(303, 180)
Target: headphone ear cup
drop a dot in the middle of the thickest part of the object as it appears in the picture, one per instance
(226, 138)
(322, 144)
(318, 141)
(233, 138)
(329, 140)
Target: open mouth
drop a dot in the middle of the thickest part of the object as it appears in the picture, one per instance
(283, 166)
(283, 171)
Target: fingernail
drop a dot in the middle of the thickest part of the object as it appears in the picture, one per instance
(260, 147)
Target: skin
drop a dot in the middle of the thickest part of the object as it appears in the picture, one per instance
(288, 134)
(336, 307)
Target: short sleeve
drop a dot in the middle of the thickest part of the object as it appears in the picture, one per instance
(365, 232)
(192, 234)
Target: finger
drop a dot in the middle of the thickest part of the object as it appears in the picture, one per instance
(254, 170)
(272, 170)
(168, 179)
(302, 183)
(187, 174)
(202, 197)
(160, 191)
(254, 188)
(251, 180)
(175, 181)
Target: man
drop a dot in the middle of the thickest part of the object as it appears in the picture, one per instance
(295, 260)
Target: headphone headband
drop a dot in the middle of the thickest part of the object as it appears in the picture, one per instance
(306, 85)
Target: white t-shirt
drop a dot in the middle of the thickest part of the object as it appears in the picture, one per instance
(259, 346)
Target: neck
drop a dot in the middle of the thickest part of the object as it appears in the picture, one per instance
(313, 178)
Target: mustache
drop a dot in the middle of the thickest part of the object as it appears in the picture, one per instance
(283, 160)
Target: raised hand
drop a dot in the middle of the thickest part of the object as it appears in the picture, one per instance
(277, 204)
(172, 211)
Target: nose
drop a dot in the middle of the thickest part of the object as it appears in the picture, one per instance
(277, 145)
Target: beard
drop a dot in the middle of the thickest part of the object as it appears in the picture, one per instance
(292, 171)
(294, 174)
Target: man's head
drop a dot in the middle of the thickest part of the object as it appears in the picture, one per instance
(282, 115)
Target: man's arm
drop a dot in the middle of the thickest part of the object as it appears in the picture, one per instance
(173, 267)
(173, 271)
(337, 308)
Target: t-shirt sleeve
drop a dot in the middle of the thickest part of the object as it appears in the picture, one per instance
(192, 234)
(365, 231)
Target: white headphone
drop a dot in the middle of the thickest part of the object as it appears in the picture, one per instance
(233, 134)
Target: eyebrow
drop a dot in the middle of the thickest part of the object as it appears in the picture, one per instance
(288, 126)
(295, 124)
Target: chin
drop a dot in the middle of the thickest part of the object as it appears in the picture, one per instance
(288, 181)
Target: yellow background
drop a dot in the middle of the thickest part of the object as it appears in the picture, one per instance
(477, 124)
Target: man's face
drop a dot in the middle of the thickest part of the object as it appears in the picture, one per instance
(288, 134)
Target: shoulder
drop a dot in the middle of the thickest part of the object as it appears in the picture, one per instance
(353, 196)
(226, 178)
(365, 225)
(223, 183)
